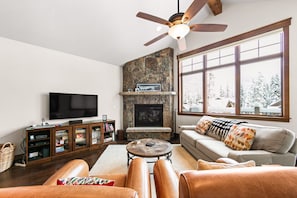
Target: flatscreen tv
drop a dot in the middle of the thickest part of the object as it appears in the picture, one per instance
(67, 105)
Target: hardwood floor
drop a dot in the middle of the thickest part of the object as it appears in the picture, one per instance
(38, 174)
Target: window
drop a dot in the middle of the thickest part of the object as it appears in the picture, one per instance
(245, 76)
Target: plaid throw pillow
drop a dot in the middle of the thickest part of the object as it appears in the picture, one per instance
(220, 128)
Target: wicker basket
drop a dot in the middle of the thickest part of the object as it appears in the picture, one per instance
(6, 156)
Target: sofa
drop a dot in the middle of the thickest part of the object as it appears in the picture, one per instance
(136, 183)
(263, 144)
(259, 181)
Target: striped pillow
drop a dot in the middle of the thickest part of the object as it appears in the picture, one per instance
(85, 181)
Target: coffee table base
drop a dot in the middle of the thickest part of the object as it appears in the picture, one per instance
(149, 148)
(167, 156)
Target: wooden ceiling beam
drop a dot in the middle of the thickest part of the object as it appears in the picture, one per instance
(215, 6)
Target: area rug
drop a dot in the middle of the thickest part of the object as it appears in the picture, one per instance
(114, 160)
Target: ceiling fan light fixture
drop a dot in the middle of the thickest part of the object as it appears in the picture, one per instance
(179, 31)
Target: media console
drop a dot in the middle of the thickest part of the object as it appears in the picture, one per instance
(44, 143)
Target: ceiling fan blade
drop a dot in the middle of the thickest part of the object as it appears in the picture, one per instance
(182, 45)
(193, 10)
(153, 18)
(156, 39)
(208, 27)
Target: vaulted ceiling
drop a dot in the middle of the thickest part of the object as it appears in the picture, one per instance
(106, 31)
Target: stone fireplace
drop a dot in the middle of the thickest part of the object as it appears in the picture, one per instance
(148, 115)
(156, 68)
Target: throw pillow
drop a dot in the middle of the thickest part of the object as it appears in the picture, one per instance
(226, 160)
(205, 165)
(203, 124)
(240, 137)
(218, 128)
(85, 181)
(228, 127)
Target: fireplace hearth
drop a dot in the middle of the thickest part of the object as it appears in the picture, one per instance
(148, 115)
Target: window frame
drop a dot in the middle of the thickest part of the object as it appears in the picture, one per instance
(284, 25)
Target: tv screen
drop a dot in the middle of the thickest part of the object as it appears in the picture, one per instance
(66, 105)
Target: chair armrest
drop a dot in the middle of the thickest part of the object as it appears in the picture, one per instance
(166, 179)
(138, 178)
(74, 168)
(187, 127)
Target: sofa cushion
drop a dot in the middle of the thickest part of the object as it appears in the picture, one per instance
(212, 148)
(272, 139)
(203, 124)
(85, 181)
(191, 136)
(205, 165)
(259, 156)
(240, 137)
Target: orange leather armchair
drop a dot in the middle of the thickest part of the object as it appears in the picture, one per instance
(136, 183)
(266, 181)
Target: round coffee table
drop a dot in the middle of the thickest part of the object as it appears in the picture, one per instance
(149, 148)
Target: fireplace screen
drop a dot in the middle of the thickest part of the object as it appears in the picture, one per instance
(147, 115)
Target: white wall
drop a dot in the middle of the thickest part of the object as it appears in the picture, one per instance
(28, 73)
(243, 17)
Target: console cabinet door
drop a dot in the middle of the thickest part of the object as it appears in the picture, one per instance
(80, 136)
(96, 131)
(62, 140)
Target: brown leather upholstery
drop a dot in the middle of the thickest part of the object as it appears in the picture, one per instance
(166, 180)
(67, 192)
(136, 183)
(74, 168)
(138, 178)
(242, 182)
(267, 181)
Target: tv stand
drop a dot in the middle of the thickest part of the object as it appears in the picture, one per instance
(75, 122)
(48, 142)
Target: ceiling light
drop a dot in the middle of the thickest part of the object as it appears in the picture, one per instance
(159, 28)
(179, 31)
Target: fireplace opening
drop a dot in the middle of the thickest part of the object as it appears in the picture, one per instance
(147, 115)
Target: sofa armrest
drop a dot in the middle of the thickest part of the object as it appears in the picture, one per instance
(166, 179)
(187, 127)
(74, 168)
(138, 178)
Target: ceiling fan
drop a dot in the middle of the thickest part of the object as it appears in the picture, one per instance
(179, 25)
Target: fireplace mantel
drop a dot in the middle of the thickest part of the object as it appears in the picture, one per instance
(148, 93)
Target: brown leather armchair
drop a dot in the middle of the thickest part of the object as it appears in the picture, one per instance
(136, 183)
(266, 181)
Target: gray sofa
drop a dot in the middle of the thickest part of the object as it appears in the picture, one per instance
(271, 145)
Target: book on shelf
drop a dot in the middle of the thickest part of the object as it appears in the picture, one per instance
(108, 139)
(94, 141)
(80, 130)
(111, 127)
(96, 129)
(60, 149)
(108, 127)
